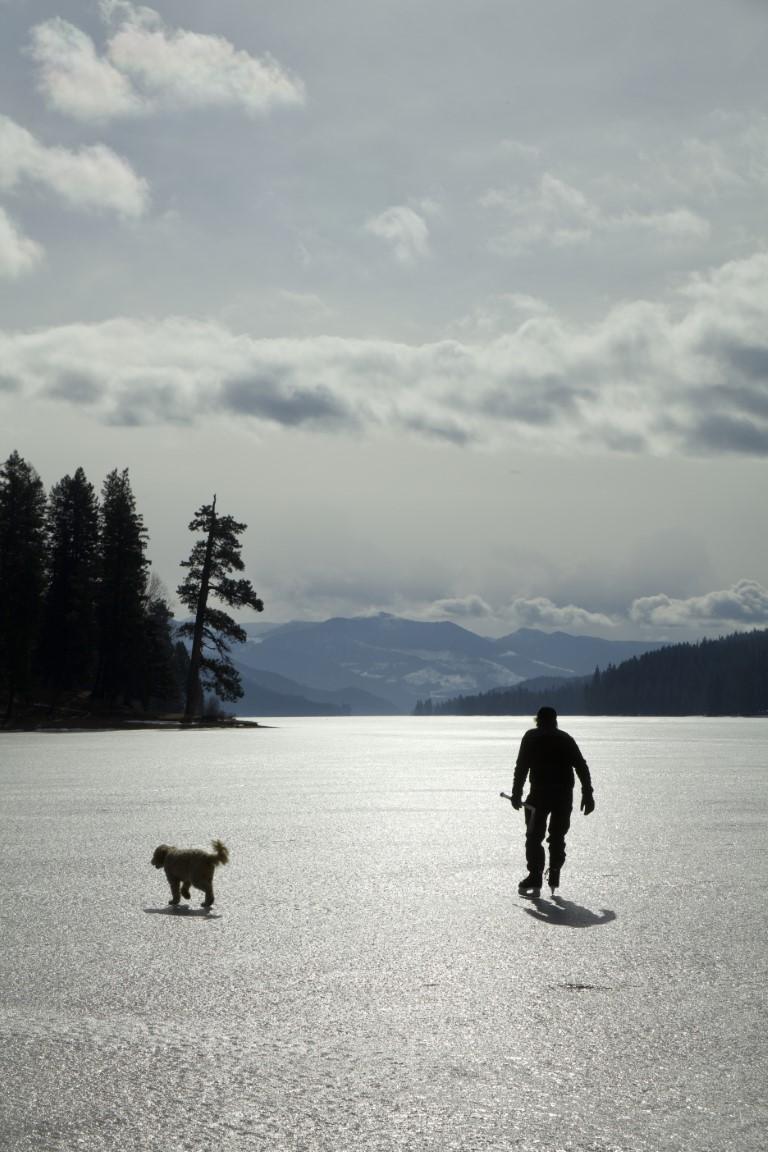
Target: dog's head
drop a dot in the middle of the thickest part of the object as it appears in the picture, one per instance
(159, 856)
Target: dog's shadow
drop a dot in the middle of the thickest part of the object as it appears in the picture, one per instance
(184, 912)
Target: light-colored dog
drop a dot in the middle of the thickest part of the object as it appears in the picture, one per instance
(190, 866)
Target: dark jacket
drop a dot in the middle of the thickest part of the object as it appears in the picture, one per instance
(548, 756)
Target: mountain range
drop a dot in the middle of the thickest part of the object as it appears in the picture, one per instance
(384, 664)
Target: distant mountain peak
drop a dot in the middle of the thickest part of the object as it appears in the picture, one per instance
(409, 659)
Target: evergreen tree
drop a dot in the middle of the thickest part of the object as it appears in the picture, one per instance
(22, 573)
(214, 556)
(121, 598)
(66, 656)
(163, 684)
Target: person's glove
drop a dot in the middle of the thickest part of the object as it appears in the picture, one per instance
(587, 802)
(517, 801)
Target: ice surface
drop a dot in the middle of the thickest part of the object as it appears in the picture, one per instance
(370, 978)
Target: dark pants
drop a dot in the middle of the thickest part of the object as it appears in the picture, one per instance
(541, 811)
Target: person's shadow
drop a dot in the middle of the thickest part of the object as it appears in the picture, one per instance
(567, 914)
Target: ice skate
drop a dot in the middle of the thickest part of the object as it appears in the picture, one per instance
(530, 884)
(553, 879)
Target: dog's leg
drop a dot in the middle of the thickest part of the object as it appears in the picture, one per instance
(174, 883)
(208, 896)
(185, 890)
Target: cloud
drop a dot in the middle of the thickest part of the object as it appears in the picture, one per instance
(148, 67)
(190, 70)
(471, 607)
(680, 223)
(500, 313)
(687, 377)
(18, 254)
(733, 158)
(75, 80)
(554, 213)
(743, 605)
(405, 230)
(280, 401)
(90, 178)
(707, 163)
(305, 302)
(432, 427)
(539, 612)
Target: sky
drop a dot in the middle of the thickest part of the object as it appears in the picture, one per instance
(461, 306)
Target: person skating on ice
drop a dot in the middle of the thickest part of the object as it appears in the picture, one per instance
(548, 758)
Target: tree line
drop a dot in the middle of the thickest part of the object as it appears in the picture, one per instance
(723, 677)
(85, 625)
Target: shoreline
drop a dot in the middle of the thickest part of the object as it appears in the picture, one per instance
(90, 723)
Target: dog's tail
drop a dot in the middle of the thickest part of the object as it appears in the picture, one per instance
(221, 850)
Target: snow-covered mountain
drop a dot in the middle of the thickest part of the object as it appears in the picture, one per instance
(384, 663)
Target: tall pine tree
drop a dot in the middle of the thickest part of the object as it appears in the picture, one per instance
(22, 574)
(122, 591)
(66, 656)
(214, 556)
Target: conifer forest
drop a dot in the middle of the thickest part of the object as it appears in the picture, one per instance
(85, 627)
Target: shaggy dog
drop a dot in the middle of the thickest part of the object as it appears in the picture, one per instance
(185, 866)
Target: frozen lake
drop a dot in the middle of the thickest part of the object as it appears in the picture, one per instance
(370, 978)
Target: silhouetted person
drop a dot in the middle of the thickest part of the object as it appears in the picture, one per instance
(548, 757)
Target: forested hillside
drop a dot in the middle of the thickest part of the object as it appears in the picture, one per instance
(722, 677)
